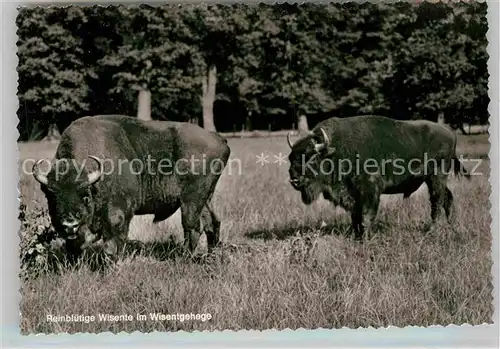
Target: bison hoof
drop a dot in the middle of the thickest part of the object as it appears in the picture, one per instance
(358, 237)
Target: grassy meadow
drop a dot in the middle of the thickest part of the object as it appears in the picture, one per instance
(287, 265)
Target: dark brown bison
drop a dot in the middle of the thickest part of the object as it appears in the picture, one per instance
(352, 161)
(108, 168)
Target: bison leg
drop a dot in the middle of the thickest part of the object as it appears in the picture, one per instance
(370, 210)
(191, 225)
(438, 196)
(191, 208)
(366, 207)
(363, 216)
(356, 220)
(448, 205)
(196, 195)
(211, 225)
(193, 219)
(116, 234)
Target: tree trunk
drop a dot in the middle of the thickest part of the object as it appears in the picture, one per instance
(208, 98)
(462, 129)
(302, 124)
(144, 105)
(441, 119)
(53, 135)
(195, 120)
(248, 122)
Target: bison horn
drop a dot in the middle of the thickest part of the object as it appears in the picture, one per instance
(325, 143)
(95, 175)
(325, 136)
(289, 140)
(36, 173)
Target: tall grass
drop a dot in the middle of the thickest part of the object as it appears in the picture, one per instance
(289, 266)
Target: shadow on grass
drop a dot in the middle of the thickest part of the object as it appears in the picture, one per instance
(341, 229)
(159, 250)
(168, 250)
(172, 250)
(283, 232)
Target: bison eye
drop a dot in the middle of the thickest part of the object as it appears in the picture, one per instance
(86, 200)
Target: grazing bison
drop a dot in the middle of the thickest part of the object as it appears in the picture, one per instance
(352, 161)
(109, 168)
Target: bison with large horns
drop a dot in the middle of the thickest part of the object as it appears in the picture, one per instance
(109, 168)
(352, 161)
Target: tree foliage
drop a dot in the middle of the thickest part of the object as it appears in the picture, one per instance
(260, 65)
(52, 75)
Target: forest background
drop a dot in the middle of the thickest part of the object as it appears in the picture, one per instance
(261, 67)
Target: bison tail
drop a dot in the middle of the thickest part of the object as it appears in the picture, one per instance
(459, 168)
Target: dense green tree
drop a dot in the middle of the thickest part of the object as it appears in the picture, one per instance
(434, 71)
(213, 31)
(258, 65)
(52, 75)
(151, 59)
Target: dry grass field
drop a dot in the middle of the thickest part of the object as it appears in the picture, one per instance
(289, 265)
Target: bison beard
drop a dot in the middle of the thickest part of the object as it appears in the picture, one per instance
(310, 193)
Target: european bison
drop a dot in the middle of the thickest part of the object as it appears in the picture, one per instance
(108, 168)
(352, 161)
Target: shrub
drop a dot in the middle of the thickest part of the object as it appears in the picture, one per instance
(40, 247)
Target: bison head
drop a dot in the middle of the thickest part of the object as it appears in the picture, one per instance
(69, 192)
(306, 168)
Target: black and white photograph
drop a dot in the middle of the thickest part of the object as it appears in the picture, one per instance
(211, 167)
